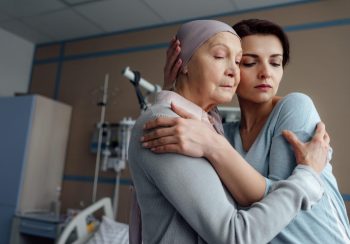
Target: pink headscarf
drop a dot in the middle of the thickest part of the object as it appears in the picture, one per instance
(194, 33)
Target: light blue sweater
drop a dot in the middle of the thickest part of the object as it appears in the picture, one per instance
(272, 156)
(183, 201)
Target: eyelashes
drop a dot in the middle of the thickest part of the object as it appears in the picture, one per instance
(238, 62)
(254, 63)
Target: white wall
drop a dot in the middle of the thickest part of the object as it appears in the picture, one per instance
(16, 55)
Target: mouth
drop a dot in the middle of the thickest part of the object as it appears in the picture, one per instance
(263, 86)
(227, 86)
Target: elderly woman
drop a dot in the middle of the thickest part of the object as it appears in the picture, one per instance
(182, 199)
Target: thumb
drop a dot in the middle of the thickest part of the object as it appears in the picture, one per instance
(291, 138)
(181, 112)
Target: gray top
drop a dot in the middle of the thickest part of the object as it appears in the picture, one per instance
(182, 199)
(271, 155)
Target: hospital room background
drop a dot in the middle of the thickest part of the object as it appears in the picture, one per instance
(66, 108)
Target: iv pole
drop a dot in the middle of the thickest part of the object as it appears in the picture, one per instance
(103, 104)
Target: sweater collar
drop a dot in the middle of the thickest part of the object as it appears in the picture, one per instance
(167, 97)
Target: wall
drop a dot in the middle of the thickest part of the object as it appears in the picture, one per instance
(73, 71)
(16, 67)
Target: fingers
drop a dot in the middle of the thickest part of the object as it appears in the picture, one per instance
(175, 68)
(157, 133)
(173, 63)
(160, 122)
(292, 138)
(320, 131)
(182, 112)
(171, 46)
(326, 138)
(172, 55)
(162, 141)
(171, 148)
(173, 51)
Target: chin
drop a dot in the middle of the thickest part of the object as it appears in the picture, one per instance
(226, 99)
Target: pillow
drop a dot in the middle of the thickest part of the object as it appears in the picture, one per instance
(111, 232)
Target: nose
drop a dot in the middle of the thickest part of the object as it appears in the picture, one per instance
(265, 71)
(232, 70)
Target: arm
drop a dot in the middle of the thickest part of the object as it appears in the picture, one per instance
(194, 138)
(244, 183)
(194, 189)
(298, 114)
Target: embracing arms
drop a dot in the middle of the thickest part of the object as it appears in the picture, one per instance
(193, 138)
(193, 188)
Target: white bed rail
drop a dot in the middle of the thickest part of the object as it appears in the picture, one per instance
(79, 221)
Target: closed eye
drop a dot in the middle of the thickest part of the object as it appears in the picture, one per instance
(276, 64)
(248, 64)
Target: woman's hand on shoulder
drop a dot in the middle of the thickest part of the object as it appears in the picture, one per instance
(184, 135)
(313, 153)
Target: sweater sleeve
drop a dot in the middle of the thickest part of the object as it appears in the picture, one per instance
(298, 114)
(193, 188)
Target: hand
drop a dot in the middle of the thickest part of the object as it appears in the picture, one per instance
(173, 63)
(185, 135)
(313, 153)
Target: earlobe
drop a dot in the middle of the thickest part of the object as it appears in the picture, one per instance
(184, 70)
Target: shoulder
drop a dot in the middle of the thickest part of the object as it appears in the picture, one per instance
(153, 112)
(137, 153)
(296, 99)
(296, 111)
(296, 104)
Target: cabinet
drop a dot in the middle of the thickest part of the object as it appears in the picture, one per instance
(33, 139)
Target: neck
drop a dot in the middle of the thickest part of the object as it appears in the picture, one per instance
(254, 115)
(253, 118)
(193, 95)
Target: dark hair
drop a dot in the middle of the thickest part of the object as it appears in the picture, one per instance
(264, 27)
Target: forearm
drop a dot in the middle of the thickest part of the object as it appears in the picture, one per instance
(244, 183)
(196, 193)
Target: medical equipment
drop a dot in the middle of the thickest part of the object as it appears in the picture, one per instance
(136, 79)
(100, 126)
(110, 142)
(113, 144)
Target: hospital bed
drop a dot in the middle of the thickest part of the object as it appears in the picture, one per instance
(106, 231)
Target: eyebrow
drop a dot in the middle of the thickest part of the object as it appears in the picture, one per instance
(212, 45)
(257, 56)
(218, 44)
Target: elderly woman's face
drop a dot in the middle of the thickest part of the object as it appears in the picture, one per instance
(213, 71)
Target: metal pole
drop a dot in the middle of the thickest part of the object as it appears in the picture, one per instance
(100, 132)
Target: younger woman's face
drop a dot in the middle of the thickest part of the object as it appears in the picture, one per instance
(213, 71)
(261, 68)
